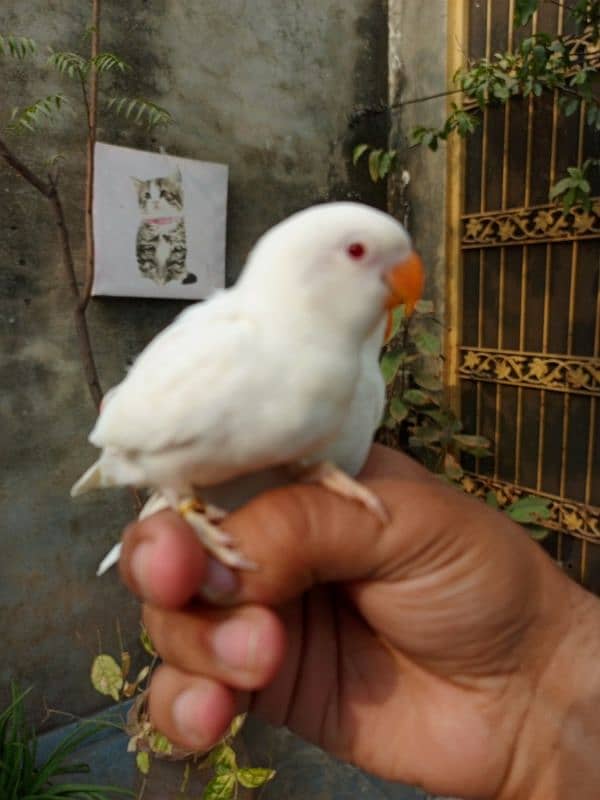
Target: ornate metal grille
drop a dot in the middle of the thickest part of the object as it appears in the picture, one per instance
(524, 302)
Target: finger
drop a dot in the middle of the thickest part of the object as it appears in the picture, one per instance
(299, 535)
(163, 563)
(306, 535)
(191, 711)
(242, 648)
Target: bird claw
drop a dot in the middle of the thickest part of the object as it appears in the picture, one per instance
(217, 541)
(109, 560)
(328, 475)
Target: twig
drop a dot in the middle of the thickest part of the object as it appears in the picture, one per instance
(91, 103)
(445, 93)
(50, 191)
(560, 5)
(23, 170)
(83, 335)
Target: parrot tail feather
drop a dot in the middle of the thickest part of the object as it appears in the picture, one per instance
(91, 479)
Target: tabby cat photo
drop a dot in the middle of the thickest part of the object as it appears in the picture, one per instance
(161, 241)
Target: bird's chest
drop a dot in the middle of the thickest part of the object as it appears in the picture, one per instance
(306, 396)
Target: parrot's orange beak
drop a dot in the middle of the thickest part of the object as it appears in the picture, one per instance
(406, 282)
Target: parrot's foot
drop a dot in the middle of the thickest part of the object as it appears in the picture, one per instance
(220, 544)
(328, 475)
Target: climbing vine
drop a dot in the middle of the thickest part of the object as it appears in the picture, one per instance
(567, 66)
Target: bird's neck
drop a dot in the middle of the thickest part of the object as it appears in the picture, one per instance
(314, 308)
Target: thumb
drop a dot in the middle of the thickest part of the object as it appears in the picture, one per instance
(304, 535)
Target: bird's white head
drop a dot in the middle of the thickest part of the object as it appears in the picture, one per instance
(345, 264)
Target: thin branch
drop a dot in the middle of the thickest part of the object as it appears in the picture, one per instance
(385, 108)
(446, 93)
(49, 190)
(84, 95)
(83, 335)
(560, 5)
(24, 171)
(91, 99)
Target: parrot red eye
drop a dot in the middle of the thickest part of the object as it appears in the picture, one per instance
(356, 250)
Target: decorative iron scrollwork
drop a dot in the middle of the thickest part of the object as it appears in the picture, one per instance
(531, 225)
(577, 519)
(576, 375)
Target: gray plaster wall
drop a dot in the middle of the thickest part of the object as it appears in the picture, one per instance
(268, 87)
(418, 69)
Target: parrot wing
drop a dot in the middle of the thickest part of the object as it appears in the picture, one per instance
(185, 383)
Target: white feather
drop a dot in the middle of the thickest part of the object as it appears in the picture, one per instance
(279, 370)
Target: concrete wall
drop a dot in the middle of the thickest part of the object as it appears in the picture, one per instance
(418, 69)
(266, 86)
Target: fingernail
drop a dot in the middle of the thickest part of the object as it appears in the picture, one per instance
(219, 581)
(139, 566)
(187, 712)
(236, 644)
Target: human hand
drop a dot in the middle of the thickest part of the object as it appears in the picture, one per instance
(431, 651)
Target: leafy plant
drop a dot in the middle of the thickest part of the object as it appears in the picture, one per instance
(528, 511)
(381, 161)
(540, 63)
(111, 678)
(416, 414)
(23, 777)
(78, 68)
(418, 418)
(87, 71)
(229, 776)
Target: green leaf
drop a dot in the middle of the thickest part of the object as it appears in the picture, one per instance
(445, 418)
(415, 397)
(146, 642)
(222, 787)
(109, 62)
(142, 762)
(107, 677)
(476, 445)
(452, 469)
(524, 10)
(358, 152)
(223, 759)
(237, 725)
(427, 434)
(187, 773)
(71, 64)
(428, 381)
(398, 410)
(45, 110)
(428, 344)
(529, 509)
(571, 106)
(398, 318)
(253, 777)
(18, 47)
(374, 157)
(160, 744)
(385, 163)
(389, 422)
(537, 533)
(390, 364)
(144, 112)
(491, 499)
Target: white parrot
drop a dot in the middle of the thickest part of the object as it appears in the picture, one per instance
(276, 377)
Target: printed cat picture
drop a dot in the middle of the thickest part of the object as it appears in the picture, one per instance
(161, 246)
(160, 224)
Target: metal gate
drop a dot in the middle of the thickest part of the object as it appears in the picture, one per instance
(523, 349)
